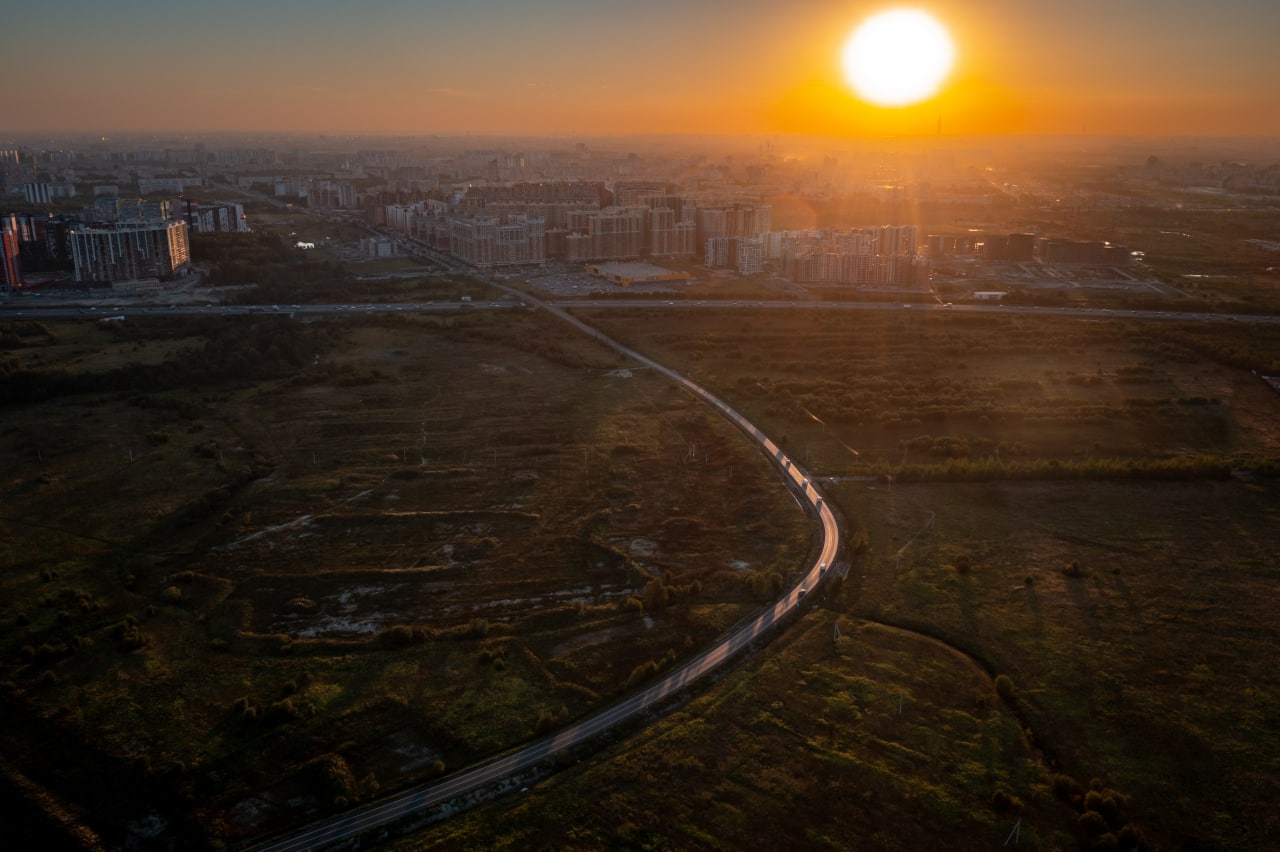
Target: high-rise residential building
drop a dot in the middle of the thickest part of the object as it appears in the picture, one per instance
(740, 253)
(615, 233)
(895, 239)
(1009, 248)
(241, 157)
(10, 263)
(43, 193)
(732, 220)
(540, 192)
(377, 247)
(867, 270)
(110, 210)
(629, 193)
(471, 240)
(883, 256)
(147, 186)
(487, 241)
(668, 236)
(204, 218)
(949, 244)
(332, 195)
(129, 252)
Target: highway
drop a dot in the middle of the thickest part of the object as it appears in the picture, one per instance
(908, 308)
(29, 307)
(492, 772)
(26, 310)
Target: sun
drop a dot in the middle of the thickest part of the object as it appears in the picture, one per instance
(898, 57)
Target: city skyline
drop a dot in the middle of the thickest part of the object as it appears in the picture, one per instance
(573, 67)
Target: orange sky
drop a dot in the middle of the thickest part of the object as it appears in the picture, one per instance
(1167, 67)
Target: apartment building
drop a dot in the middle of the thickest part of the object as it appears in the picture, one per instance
(130, 251)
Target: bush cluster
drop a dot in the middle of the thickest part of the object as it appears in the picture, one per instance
(649, 669)
(1102, 821)
(269, 347)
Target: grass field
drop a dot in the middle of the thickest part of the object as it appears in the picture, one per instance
(282, 590)
(309, 564)
(1148, 676)
(1000, 473)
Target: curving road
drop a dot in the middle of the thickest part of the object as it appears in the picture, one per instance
(497, 769)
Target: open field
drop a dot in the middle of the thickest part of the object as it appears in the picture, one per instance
(935, 394)
(1149, 676)
(299, 564)
(1148, 664)
(311, 562)
(878, 739)
(1099, 664)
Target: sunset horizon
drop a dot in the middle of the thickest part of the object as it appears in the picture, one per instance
(574, 68)
(640, 424)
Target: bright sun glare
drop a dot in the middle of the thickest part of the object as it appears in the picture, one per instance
(898, 57)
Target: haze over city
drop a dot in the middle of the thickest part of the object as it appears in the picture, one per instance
(625, 67)
(640, 424)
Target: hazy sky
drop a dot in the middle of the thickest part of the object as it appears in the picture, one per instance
(1167, 67)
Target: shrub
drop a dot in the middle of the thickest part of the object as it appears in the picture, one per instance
(861, 542)
(1002, 801)
(493, 652)
(402, 636)
(656, 595)
(369, 785)
(279, 712)
(642, 672)
(129, 637)
(245, 709)
(1092, 824)
(549, 721)
(1130, 838)
(1064, 787)
(1004, 687)
(1110, 810)
(1106, 843)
